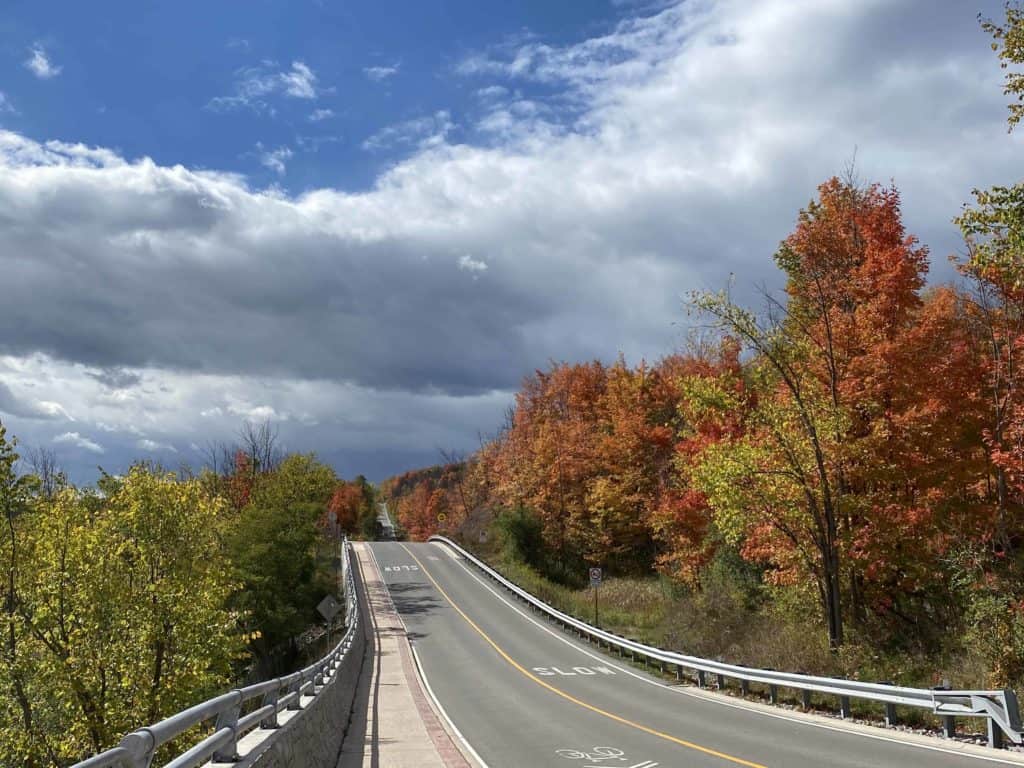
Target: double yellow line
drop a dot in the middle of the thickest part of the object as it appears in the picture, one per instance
(611, 716)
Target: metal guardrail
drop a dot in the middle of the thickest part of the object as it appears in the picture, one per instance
(999, 708)
(138, 748)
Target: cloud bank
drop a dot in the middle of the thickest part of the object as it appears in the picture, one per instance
(652, 160)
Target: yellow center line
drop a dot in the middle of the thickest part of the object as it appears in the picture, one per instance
(573, 699)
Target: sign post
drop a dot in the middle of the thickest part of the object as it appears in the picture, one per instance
(595, 582)
(328, 608)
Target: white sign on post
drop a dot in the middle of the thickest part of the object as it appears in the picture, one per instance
(595, 577)
(329, 607)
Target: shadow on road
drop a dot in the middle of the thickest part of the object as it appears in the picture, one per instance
(412, 599)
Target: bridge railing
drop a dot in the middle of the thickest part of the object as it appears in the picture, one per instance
(998, 707)
(269, 699)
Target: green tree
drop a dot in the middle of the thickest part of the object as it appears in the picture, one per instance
(119, 613)
(24, 741)
(1008, 42)
(273, 547)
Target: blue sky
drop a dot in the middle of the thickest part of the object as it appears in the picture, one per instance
(152, 79)
(366, 223)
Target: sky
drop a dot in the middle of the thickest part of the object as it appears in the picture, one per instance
(367, 222)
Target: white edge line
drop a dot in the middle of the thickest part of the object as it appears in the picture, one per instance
(444, 714)
(423, 674)
(715, 700)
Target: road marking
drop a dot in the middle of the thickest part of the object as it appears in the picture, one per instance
(600, 754)
(558, 692)
(722, 700)
(389, 568)
(572, 672)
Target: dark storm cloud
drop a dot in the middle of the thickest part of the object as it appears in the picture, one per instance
(115, 378)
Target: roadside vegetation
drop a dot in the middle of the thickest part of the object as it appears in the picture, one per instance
(127, 601)
(828, 481)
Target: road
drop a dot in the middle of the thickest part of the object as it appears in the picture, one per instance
(524, 694)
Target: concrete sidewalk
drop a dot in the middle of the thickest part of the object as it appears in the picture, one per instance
(393, 725)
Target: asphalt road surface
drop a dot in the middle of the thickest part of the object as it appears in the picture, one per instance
(525, 694)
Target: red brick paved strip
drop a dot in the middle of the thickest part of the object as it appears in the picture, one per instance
(453, 758)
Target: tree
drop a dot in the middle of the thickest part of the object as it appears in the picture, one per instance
(15, 494)
(830, 371)
(120, 618)
(345, 505)
(1008, 42)
(681, 518)
(272, 547)
(259, 441)
(993, 231)
(43, 463)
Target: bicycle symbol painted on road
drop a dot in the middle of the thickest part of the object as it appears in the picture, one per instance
(600, 755)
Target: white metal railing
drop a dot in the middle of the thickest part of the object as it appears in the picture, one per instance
(999, 708)
(139, 747)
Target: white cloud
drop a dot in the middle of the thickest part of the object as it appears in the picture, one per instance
(492, 92)
(25, 406)
(255, 85)
(299, 82)
(5, 103)
(313, 143)
(421, 132)
(317, 115)
(152, 446)
(39, 63)
(53, 409)
(275, 159)
(377, 74)
(79, 441)
(469, 264)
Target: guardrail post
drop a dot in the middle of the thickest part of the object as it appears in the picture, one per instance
(140, 746)
(948, 721)
(948, 726)
(296, 687)
(271, 697)
(773, 693)
(995, 734)
(228, 718)
(805, 699)
(721, 682)
(890, 708)
(679, 672)
(745, 687)
(702, 678)
(844, 707)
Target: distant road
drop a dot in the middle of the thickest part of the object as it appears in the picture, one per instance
(525, 695)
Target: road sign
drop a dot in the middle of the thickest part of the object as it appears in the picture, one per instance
(441, 517)
(595, 577)
(329, 607)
